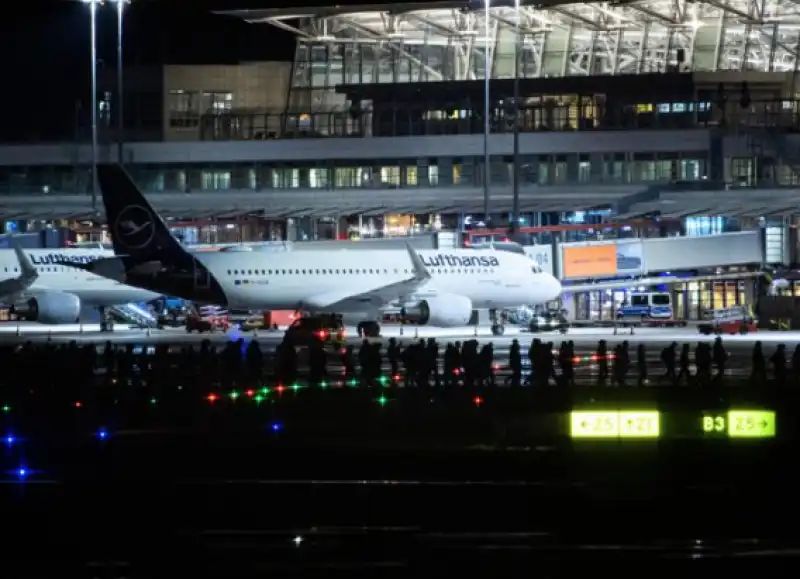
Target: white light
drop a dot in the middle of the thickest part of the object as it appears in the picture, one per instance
(298, 540)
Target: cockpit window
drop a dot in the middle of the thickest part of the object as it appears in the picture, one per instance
(536, 269)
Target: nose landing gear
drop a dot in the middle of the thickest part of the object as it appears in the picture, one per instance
(498, 325)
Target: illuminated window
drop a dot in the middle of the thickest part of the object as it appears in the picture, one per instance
(390, 175)
(318, 178)
(215, 180)
(183, 108)
(217, 102)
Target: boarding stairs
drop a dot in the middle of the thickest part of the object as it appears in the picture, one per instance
(135, 315)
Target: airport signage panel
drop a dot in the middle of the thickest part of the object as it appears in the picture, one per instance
(542, 255)
(682, 253)
(604, 259)
(607, 425)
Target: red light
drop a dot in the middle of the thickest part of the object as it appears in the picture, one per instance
(78, 404)
(321, 334)
(496, 367)
(593, 357)
(477, 400)
(611, 356)
(457, 371)
(576, 360)
(280, 388)
(212, 398)
(250, 393)
(396, 378)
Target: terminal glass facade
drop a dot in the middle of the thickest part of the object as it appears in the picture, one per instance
(445, 172)
(454, 44)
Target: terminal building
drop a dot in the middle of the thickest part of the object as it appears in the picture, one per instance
(645, 119)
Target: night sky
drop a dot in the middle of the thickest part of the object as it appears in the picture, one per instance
(45, 47)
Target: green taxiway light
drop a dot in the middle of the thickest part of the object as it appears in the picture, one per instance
(627, 424)
(741, 424)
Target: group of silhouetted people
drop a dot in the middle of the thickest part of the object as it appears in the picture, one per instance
(418, 363)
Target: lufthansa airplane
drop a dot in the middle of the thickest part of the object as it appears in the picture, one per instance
(443, 286)
(41, 284)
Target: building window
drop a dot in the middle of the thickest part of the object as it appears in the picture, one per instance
(348, 176)
(104, 109)
(390, 175)
(433, 175)
(318, 178)
(183, 109)
(216, 180)
(285, 178)
(411, 176)
(217, 103)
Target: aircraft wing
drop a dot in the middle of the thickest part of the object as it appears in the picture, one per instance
(11, 288)
(378, 297)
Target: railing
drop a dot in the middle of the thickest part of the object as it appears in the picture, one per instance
(410, 119)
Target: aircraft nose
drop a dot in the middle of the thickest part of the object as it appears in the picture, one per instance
(553, 287)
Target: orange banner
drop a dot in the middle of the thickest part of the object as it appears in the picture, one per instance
(591, 261)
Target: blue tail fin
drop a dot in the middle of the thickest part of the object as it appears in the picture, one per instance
(135, 227)
(141, 238)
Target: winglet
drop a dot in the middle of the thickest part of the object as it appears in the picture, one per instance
(420, 271)
(27, 270)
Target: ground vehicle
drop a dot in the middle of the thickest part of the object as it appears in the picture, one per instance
(733, 320)
(646, 305)
(326, 327)
(549, 321)
(208, 323)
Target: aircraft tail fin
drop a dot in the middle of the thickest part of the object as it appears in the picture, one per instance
(137, 231)
(27, 270)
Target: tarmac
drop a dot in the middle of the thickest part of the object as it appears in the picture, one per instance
(583, 337)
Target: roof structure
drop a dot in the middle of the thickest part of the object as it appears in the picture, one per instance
(453, 40)
(752, 203)
(323, 203)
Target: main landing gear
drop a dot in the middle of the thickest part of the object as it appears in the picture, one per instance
(498, 327)
(106, 322)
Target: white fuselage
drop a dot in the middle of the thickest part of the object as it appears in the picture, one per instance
(291, 280)
(92, 290)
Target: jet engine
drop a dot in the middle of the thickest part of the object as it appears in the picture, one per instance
(443, 311)
(51, 308)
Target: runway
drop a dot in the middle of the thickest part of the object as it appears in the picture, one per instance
(583, 337)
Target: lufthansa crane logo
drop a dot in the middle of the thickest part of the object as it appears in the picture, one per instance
(135, 227)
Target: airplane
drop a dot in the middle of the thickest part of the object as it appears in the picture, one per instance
(46, 290)
(443, 286)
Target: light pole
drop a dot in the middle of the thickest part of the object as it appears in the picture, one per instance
(120, 126)
(93, 34)
(515, 170)
(487, 66)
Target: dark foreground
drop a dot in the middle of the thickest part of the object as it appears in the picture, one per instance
(394, 482)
